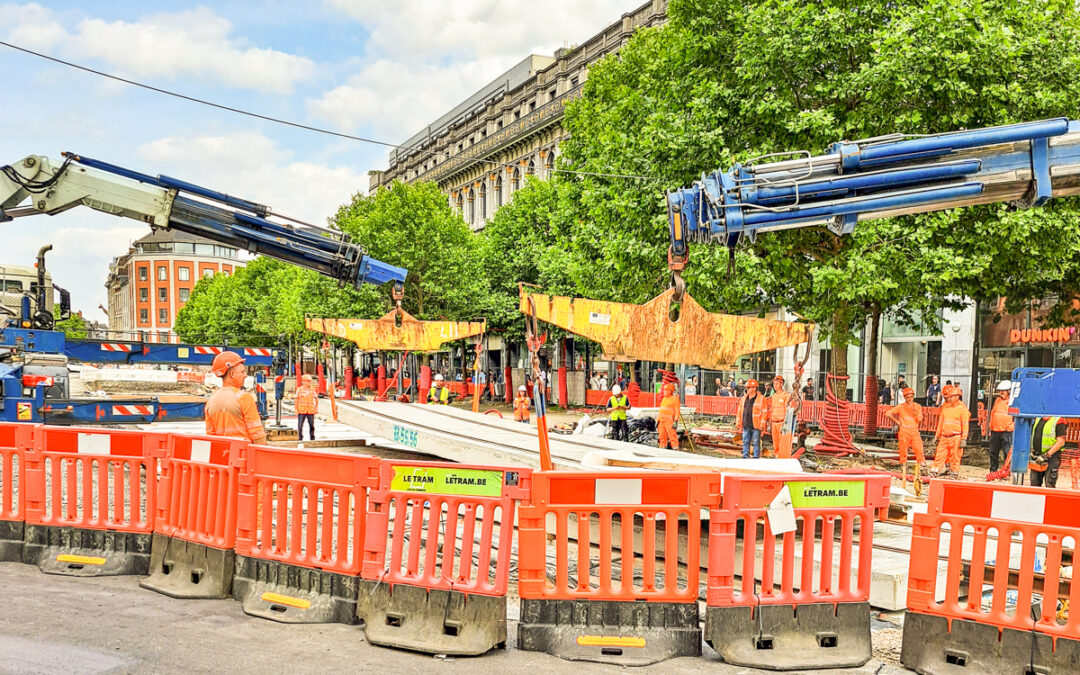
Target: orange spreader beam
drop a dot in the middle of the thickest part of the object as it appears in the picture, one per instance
(712, 341)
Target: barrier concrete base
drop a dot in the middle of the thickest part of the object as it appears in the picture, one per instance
(783, 637)
(624, 633)
(431, 621)
(931, 647)
(86, 553)
(184, 569)
(293, 594)
(11, 541)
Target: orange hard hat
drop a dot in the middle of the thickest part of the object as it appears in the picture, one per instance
(751, 383)
(950, 390)
(908, 393)
(778, 377)
(224, 361)
(667, 388)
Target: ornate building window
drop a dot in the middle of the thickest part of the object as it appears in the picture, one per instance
(483, 202)
(470, 216)
(461, 205)
(515, 182)
(498, 192)
(531, 170)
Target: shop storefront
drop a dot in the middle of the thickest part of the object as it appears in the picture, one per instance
(1021, 341)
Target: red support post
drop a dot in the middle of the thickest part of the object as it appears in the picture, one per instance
(348, 384)
(425, 384)
(321, 370)
(508, 377)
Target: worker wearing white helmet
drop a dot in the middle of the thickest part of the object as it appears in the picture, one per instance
(1001, 426)
(617, 406)
(439, 394)
(521, 405)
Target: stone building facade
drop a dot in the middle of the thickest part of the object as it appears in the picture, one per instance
(481, 151)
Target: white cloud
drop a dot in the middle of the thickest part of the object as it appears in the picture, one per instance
(252, 166)
(423, 57)
(194, 43)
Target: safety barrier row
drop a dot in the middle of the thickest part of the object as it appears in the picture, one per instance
(610, 565)
(990, 584)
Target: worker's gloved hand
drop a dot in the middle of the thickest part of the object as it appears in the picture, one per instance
(963, 444)
(1041, 460)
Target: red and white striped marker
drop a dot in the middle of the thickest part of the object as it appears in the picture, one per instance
(258, 351)
(115, 347)
(133, 410)
(207, 350)
(614, 491)
(1040, 506)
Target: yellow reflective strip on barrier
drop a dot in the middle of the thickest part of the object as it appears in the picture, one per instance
(604, 641)
(83, 559)
(299, 603)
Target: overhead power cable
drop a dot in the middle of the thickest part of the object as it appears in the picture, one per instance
(289, 123)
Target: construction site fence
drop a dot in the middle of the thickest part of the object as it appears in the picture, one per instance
(990, 580)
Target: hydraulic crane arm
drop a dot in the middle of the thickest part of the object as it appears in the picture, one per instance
(167, 202)
(882, 177)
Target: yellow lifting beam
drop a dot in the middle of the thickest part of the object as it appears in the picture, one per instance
(646, 332)
(390, 334)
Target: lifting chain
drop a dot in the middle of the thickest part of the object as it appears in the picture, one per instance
(676, 264)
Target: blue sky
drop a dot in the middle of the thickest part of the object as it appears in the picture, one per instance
(364, 67)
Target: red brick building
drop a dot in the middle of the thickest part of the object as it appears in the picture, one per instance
(152, 281)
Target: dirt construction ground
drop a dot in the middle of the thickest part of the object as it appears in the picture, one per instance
(110, 625)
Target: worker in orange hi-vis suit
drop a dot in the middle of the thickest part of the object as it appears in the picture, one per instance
(778, 408)
(952, 432)
(668, 416)
(521, 405)
(231, 411)
(908, 416)
(307, 404)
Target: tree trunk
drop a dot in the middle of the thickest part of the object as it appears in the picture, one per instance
(870, 423)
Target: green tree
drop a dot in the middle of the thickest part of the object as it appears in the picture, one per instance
(73, 327)
(729, 80)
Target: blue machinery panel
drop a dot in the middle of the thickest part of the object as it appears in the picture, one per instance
(1040, 392)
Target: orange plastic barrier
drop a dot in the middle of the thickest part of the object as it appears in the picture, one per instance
(798, 533)
(1003, 602)
(15, 440)
(599, 608)
(300, 529)
(195, 527)
(82, 483)
(437, 555)
(597, 397)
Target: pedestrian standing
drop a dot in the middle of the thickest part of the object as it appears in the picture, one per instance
(751, 415)
(307, 404)
(231, 411)
(1047, 440)
(617, 406)
(952, 432)
(1001, 426)
(808, 390)
(740, 388)
(933, 392)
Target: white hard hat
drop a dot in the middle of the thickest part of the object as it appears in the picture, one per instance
(522, 388)
(438, 377)
(1004, 385)
(616, 390)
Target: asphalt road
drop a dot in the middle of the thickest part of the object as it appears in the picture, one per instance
(52, 624)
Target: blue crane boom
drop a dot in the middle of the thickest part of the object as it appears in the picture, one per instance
(165, 202)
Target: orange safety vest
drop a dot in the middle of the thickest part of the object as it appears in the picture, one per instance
(669, 409)
(521, 407)
(233, 413)
(954, 420)
(906, 415)
(779, 401)
(760, 413)
(1000, 419)
(307, 401)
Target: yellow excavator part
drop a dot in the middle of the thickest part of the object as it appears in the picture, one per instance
(385, 333)
(646, 332)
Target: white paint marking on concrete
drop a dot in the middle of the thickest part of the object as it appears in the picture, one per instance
(200, 450)
(94, 444)
(618, 490)
(1026, 508)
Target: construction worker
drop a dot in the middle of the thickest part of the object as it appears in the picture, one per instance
(1047, 440)
(439, 394)
(231, 411)
(908, 416)
(617, 406)
(751, 415)
(1001, 426)
(952, 432)
(307, 404)
(669, 414)
(521, 405)
(778, 408)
